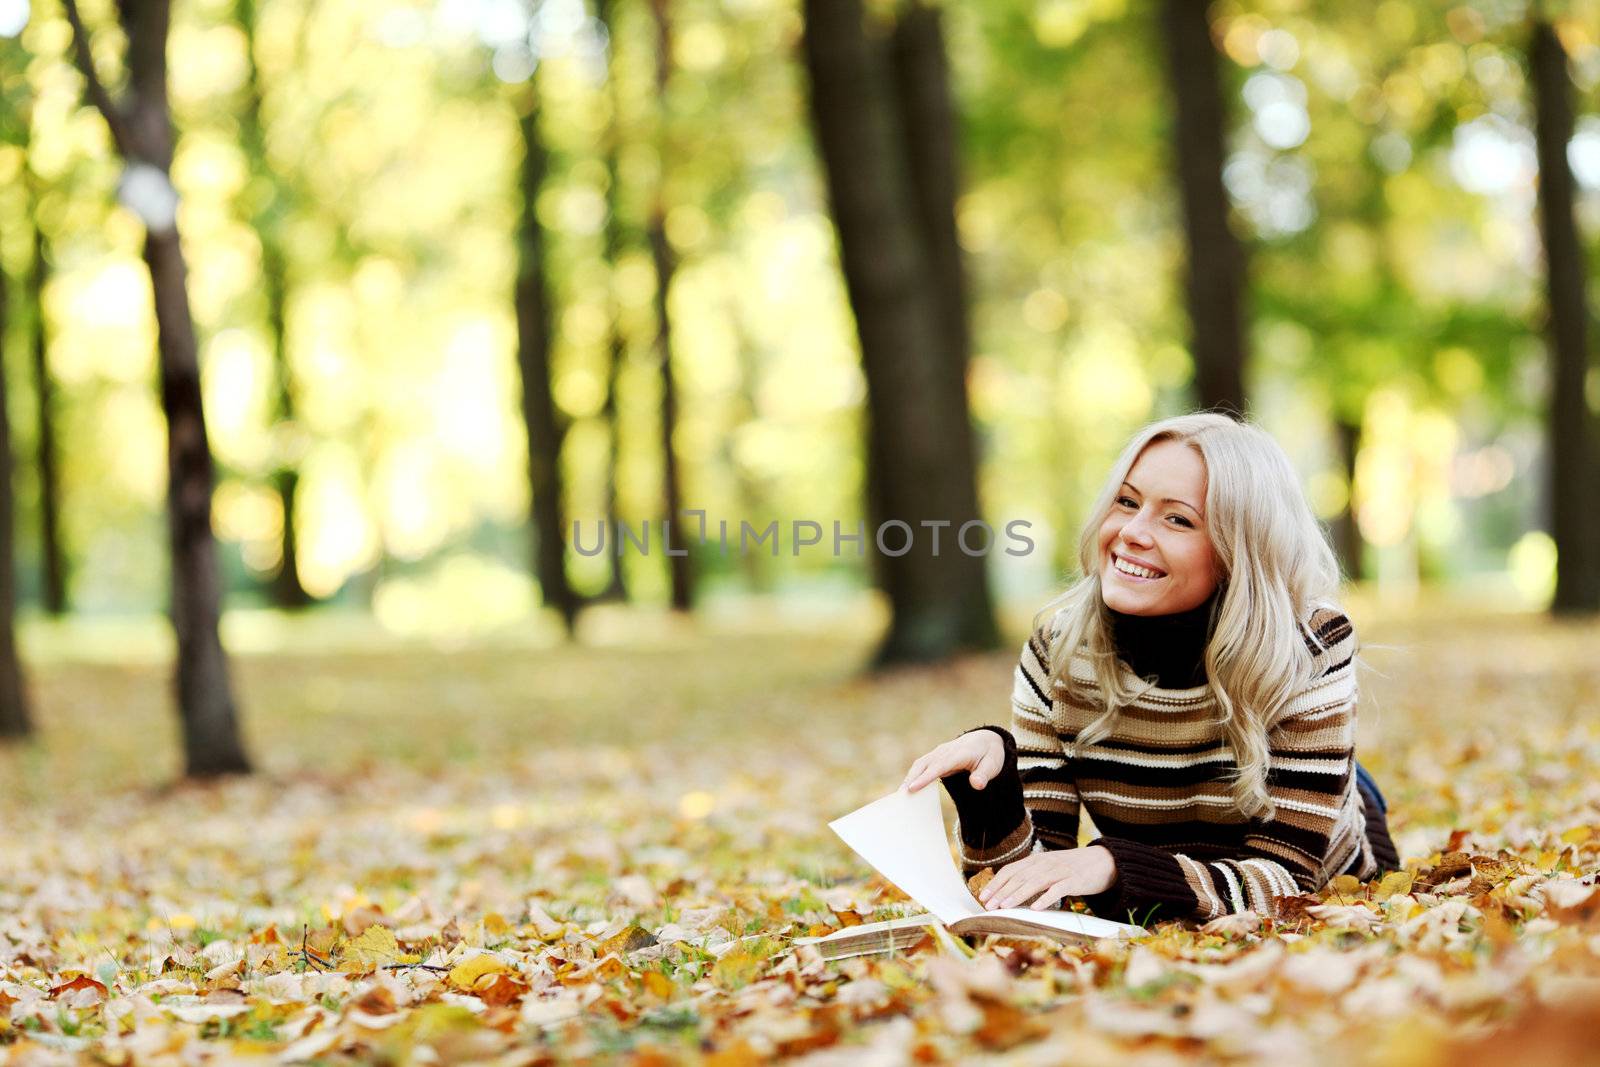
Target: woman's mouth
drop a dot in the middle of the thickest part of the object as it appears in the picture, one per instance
(1135, 573)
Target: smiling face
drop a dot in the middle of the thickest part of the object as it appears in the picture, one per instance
(1155, 552)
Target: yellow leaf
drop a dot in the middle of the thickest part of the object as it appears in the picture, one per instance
(741, 965)
(375, 947)
(657, 983)
(1345, 885)
(433, 1021)
(1395, 883)
(626, 940)
(897, 977)
(1577, 835)
(463, 974)
(495, 925)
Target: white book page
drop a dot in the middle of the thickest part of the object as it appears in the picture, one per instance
(902, 835)
(1072, 921)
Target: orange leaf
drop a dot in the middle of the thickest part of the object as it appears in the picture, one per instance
(499, 990)
(375, 1001)
(1005, 1026)
(83, 981)
(607, 970)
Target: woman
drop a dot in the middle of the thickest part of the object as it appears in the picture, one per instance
(1194, 693)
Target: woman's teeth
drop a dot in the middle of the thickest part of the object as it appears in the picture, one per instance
(1134, 569)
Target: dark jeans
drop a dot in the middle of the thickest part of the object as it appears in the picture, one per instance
(1369, 788)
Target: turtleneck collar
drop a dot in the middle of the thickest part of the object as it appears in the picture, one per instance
(1170, 648)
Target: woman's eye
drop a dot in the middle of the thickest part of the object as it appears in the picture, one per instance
(1181, 519)
(1125, 501)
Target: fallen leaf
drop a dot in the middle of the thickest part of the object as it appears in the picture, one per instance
(499, 989)
(628, 939)
(464, 974)
(1005, 1026)
(657, 984)
(1234, 924)
(374, 948)
(81, 982)
(1395, 883)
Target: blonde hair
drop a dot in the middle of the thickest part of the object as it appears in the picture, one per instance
(1274, 566)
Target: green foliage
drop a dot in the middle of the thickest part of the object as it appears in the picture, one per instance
(375, 151)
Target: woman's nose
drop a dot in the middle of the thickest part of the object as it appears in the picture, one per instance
(1137, 528)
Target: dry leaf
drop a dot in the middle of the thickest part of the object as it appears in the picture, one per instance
(81, 982)
(464, 974)
(375, 947)
(628, 939)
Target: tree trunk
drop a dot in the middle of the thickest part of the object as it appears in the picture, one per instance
(53, 559)
(931, 143)
(1347, 543)
(205, 697)
(14, 719)
(143, 134)
(1215, 278)
(546, 430)
(682, 581)
(923, 471)
(1574, 464)
(678, 568)
(287, 590)
(751, 494)
(929, 139)
(616, 587)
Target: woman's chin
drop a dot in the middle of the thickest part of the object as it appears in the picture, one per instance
(1118, 597)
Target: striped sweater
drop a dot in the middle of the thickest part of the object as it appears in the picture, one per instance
(1159, 791)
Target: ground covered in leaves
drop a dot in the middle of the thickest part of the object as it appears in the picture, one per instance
(512, 854)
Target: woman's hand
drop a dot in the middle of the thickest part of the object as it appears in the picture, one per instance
(1069, 872)
(981, 753)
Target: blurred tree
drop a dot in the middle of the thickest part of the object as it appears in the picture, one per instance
(928, 131)
(265, 203)
(752, 493)
(546, 427)
(1215, 280)
(664, 260)
(18, 112)
(53, 560)
(614, 242)
(1574, 462)
(142, 133)
(14, 719)
(921, 464)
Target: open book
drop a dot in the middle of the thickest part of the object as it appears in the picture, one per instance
(903, 836)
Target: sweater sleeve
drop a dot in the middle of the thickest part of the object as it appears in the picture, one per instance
(1032, 802)
(1311, 833)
